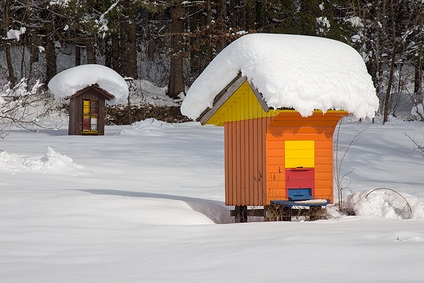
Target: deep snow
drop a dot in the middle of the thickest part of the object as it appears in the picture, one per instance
(144, 203)
(68, 82)
(305, 73)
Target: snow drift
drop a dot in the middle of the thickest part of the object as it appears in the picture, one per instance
(50, 163)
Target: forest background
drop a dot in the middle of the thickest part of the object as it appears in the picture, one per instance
(170, 42)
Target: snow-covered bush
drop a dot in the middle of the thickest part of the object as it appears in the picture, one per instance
(386, 203)
(417, 112)
(23, 106)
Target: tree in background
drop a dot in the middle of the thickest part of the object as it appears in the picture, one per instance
(7, 41)
(176, 80)
(170, 42)
(389, 37)
(415, 56)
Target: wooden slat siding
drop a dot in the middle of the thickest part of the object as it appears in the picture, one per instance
(228, 162)
(230, 194)
(246, 158)
(249, 167)
(289, 125)
(244, 162)
(262, 126)
(72, 117)
(324, 167)
(276, 176)
(236, 170)
(243, 190)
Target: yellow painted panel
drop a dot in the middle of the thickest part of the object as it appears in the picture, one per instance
(299, 154)
(241, 105)
(86, 107)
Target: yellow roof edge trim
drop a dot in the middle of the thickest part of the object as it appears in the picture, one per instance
(315, 111)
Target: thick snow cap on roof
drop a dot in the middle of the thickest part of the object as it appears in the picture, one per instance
(68, 82)
(290, 71)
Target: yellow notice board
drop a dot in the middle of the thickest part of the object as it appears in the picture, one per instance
(299, 154)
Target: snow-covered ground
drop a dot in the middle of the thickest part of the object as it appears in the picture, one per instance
(144, 203)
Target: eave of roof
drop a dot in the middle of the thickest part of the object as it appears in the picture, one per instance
(96, 87)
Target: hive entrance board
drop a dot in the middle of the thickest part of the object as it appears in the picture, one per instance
(300, 183)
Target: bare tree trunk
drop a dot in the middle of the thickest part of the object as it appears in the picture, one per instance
(115, 53)
(77, 55)
(194, 23)
(418, 80)
(389, 88)
(50, 56)
(176, 79)
(233, 13)
(11, 78)
(23, 62)
(222, 43)
(392, 66)
(250, 16)
(91, 53)
(33, 57)
(150, 35)
(132, 50)
(418, 77)
(123, 54)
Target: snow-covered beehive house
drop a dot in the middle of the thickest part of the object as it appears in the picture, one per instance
(279, 98)
(88, 87)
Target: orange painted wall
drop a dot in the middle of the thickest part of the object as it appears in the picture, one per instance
(255, 155)
(291, 126)
(254, 141)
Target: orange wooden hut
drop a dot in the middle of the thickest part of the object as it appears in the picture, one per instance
(272, 155)
(275, 154)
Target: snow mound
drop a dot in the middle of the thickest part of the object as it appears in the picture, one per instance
(68, 82)
(385, 203)
(51, 162)
(291, 71)
(217, 213)
(154, 211)
(151, 127)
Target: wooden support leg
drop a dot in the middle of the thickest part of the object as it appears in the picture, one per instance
(287, 214)
(272, 213)
(240, 213)
(317, 213)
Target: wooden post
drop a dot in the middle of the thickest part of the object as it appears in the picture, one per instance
(240, 213)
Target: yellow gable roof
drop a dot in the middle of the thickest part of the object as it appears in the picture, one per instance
(239, 101)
